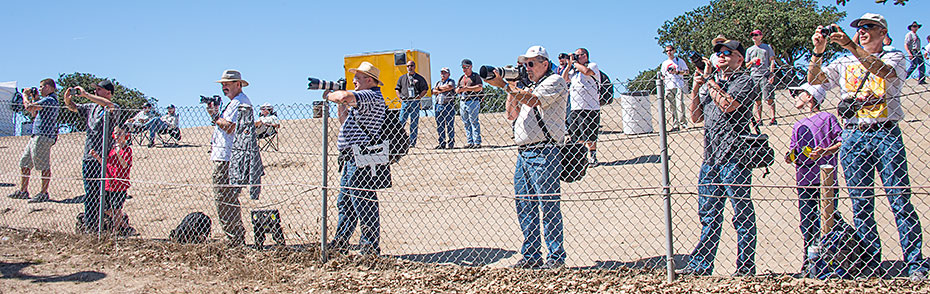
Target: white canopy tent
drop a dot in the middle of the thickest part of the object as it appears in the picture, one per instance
(7, 117)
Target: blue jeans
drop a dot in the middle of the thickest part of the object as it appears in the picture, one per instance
(411, 109)
(861, 154)
(711, 200)
(90, 169)
(154, 126)
(537, 172)
(445, 122)
(357, 206)
(469, 111)
(917, 63)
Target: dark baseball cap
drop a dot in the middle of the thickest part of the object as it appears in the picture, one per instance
(732, 45)
(107, 84)
(466, 61)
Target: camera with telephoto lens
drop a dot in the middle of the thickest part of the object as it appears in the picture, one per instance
(215, 100)
(31, 92)
(697, 60)
(509, 72)
(318, 84)
(827, 30)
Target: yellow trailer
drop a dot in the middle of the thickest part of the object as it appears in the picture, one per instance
(392, 65)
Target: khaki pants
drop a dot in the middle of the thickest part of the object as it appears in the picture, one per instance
(677, 104)
(227, 203)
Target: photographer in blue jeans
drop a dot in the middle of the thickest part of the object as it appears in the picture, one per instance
(410, 88)
(723, 101)
(872, 139)
(536, 175)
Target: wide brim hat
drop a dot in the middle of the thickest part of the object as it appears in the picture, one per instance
(232, 75)
(368, 69)
(265, 105)
(914, 24)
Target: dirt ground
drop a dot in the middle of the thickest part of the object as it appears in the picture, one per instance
(33, 262)
(455, 206)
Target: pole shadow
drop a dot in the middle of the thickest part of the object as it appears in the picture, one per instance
(470, 256)
(74, 200)
(13, 271)
(638, 160)
(648, 263)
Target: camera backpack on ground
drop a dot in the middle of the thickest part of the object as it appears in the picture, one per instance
(837, 253)
(605, 89)
(267, 221)
(194, 228)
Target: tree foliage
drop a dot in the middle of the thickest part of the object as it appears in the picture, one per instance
(787, 26)
(896, 2)
(644, 81)
(494, 99)
(127, 99)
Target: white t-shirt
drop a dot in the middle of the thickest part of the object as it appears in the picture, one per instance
(552, 93)
(223, 141)
(845, 72)
(912, 42)
(673, 81)
(583, 89)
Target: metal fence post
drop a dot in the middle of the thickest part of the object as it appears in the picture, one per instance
(666, 192)
(325, 174)
(103, 172)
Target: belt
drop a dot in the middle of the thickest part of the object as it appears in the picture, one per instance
(536, 145)
(872, 127)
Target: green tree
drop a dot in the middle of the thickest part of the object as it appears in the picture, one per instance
(896, 2)
(494, 99)
(127, 99)
(644, 81)
(787, 24)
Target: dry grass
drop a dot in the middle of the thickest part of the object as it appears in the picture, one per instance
(136, 265)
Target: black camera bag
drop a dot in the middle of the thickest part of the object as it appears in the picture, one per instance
(605, 89)
(758, 153)
(194, 228)
(574, 155)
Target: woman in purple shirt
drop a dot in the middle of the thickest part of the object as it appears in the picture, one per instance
(814, 142)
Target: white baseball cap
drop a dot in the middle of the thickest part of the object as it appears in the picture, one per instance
(533, 52)
(870, 16)
(817, 91)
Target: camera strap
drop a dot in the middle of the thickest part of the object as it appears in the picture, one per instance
(865, 78)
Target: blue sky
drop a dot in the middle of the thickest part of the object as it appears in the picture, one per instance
(175, 50)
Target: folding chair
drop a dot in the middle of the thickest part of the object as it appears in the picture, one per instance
(270, 141)
(169, 137)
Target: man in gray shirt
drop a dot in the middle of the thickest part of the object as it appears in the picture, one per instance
(760, 59)
(101, 117)
(912, 49)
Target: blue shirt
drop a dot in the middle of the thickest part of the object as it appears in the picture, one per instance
(368, 112)
(46, 122)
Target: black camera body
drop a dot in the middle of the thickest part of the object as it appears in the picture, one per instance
(827, 30)
(33, 92)
(697, 60)
(215, 100)
(318, 84)
(574, 57)
(509, 72)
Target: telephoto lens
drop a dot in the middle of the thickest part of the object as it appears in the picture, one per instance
(509, 72)
(318, 84)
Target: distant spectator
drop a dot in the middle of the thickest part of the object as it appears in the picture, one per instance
(912, 49)
(584, 120)
(138, 121)
(227, 197)
(155, 125)
(98, 130)
(887, 43)
(37, 154)
(927, 49)
(815, 141)
(760, 58)
(469, 87)
(411, 87)
(267, 123)
(444, 92)
(723, 102)
(119, 163)
(872, 139)
(675, 88)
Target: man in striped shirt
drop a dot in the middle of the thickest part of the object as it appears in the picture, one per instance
(362, 114)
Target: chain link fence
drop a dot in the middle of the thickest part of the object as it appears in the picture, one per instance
(459, 205)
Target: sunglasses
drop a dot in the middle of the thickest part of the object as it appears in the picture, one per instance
(753, 35)
(530, 64)
(411, 66)
(724, 53)
(868, 26)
